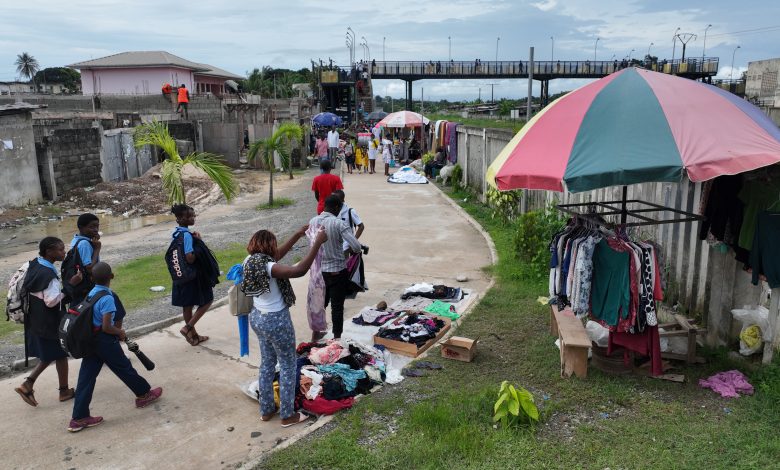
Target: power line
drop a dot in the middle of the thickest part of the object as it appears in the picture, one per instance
(749, 31)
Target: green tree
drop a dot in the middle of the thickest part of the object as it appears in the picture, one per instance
(279, 142)
(28, 66)
(156, 133)
(67, 77)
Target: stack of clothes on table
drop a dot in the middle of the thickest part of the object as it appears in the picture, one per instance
(412, 328)
(332, 373)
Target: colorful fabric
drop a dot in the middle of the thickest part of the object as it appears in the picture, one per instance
(636, 126)
(329, 354)
(728, 384)
(442, 309)
(257, 280)
(349, 376)
(315, 298)
(322, 406)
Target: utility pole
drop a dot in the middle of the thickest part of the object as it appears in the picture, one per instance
(685, 38)
(491, 91)
(704, 49)
(479, 96)
(595, 47)
(530, 83)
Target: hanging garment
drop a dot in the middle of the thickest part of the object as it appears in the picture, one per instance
(357, 275)
(647, 343)
(315, 299)
(758, 196)
(765, 255)
(610, 290)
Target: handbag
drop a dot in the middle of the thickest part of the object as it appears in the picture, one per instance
(238, 302)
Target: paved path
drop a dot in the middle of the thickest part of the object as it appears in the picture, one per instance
(203, 420)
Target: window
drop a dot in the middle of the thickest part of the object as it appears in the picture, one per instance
(768, 83)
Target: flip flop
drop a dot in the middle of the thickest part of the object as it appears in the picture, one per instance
(428, 365)
(269, 416)
(301, 418)
(200, 339)
(27, 395)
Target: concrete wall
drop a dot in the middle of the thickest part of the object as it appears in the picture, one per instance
(134, 81)
(763, 81)
(19, 177)
(223, 139)
(69, 157)
(701, 279)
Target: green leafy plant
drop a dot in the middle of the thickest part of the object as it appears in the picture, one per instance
(505, 205)
(428, 158)
(456, 178)
(279, 142)
(515, 406)
(156, 133)
(532, 239)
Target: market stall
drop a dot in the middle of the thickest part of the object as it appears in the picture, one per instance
(632, 127)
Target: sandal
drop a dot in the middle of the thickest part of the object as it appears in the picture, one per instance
(189, 334)
(197, 339)
(269, 416)
(293, 420)
(66, 393)
(27, 393)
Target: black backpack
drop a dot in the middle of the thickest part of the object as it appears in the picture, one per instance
(77, 337)
(70, 264)
(181, 271)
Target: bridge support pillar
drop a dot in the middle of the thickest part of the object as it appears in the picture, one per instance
(409, 96)
(545, 92)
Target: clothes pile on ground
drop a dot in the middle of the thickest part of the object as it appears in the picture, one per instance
(429, 291)
(372, 316)
(728, 384)
(412, 328)
(407, 175)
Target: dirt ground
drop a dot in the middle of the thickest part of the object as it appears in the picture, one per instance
(135, 197)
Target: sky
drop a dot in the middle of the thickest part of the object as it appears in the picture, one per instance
(239, 36)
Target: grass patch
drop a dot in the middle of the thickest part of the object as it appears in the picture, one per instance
(477, 122)
(278, 202)
(9, 330)
(443, 420)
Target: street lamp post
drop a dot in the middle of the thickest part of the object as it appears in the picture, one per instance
(629, 56)
(731, 74)
(674, 44)
(595, 46)
(449, 40)
(383, 48)
(648, 48)
(368, 50)
(497, 39)
(704, 49)
(351, 33)
(552, 49)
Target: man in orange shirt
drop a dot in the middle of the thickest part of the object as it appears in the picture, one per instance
(324, 185)
(184, 100)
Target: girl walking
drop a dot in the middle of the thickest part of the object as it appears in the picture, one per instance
(372, 151)
(387, 157)
(268, 282)
(199, 291)
(45, 309)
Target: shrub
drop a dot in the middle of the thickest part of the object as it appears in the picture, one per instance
(505, 205)
(514, 406)
(457, 176)
(427, 158)
(532, 240)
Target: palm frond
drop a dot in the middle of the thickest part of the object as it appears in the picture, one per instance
(156, 133)
(216, 171)
(171, 180)
(288, 132)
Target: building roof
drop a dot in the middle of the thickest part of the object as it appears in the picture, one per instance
(218, 72)
(140, 59)
(19, 107)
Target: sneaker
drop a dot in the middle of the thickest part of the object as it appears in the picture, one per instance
(77, 425)
(150, 396)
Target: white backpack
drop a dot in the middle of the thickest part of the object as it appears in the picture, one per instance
(17, 298)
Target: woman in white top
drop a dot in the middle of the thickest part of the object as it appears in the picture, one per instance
(268, 282)
(372, 151)
(387, 156)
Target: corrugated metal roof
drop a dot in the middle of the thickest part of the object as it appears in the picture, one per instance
(19, 107)
(140, 59)
(218, 72)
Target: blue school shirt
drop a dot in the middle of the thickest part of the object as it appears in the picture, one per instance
(185, 232)
(106, 304)
(85, 249)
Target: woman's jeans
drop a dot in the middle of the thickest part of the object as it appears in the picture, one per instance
(277, 343)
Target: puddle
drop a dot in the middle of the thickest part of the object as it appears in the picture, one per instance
(25, 238)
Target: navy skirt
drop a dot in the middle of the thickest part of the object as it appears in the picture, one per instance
(45, 349)
(190, 294)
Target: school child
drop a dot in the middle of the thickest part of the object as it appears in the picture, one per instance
(42, 320)
(387, 156)
(199, 291)
(87, 245)
(107, 324)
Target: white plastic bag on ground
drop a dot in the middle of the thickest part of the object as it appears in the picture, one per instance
(597, 333)
(749, 316)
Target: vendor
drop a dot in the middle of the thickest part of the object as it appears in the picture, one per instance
(438, 162)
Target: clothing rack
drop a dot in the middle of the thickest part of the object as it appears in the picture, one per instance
(621, 208)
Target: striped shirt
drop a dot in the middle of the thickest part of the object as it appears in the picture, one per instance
(338, 232)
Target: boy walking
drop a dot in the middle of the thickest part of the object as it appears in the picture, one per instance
(108, 327)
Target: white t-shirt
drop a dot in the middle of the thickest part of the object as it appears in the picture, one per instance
(271, 301)
(344, 215)
(333, 139)
(372, 151)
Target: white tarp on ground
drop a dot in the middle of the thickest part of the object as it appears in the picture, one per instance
(407, 175)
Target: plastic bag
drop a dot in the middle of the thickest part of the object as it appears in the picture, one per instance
(597, 333)
(751, 316)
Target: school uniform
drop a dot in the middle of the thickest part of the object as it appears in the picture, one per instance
(84, 247)
(198, 291)
(44, 310)
(108, 351)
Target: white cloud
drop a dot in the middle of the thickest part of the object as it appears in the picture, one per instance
(546, 5)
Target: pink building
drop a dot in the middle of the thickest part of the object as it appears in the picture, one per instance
(145, 72)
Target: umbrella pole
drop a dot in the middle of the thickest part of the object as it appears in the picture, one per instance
(623, 210)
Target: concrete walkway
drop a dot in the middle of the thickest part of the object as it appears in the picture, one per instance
(203, 419)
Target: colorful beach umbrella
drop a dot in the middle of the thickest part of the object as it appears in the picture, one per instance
(403, 119)
(636, 126)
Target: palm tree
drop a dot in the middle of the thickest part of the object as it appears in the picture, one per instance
(279, 142)
(27, 66)
(156, 133)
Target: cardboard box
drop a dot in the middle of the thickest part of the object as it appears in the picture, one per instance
(459, 348)
(410, 349)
